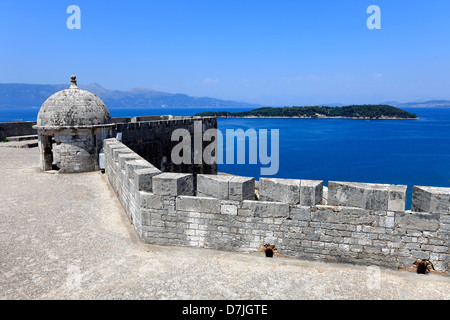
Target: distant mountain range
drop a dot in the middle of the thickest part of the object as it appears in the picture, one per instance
(425, 104)
(34, 95)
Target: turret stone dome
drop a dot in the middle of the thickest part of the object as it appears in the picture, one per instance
(73, 108)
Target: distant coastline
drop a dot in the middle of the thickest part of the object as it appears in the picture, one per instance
(356, 112)
(319, 117)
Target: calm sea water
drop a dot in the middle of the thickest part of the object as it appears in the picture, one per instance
(409, 152)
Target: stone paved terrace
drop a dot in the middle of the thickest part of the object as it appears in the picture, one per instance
(67, 237)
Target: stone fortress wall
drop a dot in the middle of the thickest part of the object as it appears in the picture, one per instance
(350, 222)
(150, 137)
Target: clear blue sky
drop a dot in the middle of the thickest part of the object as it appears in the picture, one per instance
(271, 52)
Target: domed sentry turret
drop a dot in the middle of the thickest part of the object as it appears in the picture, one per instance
(72, 125)
(73, 107)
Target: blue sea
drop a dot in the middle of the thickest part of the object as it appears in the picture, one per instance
(408, 152)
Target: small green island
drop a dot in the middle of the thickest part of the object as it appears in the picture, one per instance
(380, 112)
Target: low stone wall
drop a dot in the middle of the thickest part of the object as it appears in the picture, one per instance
(362, 223)
(13, 129)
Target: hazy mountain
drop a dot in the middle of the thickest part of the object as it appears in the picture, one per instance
(426, 104)
(33, 95)
(26, 95)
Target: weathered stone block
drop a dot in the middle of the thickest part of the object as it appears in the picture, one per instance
(132, 165)
(117, 151)
(149, 200)
(124, 157)
(213, 186)
(341, 215)
(347, 194)
(421, 199)
(245, 213)
(229, 207)
(397, 197)
(300, 213)
(198, 204)
(241, 188)
(266, 209)
(380, 197)
(311, 192)
(279, 190)
(417, 221)
(110, 144)
(386, 222)
(173, 184)
(143, 178)
(431, 199)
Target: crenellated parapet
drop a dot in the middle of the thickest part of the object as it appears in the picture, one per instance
(356, 223)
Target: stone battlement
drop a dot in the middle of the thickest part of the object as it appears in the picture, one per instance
(356, 223)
